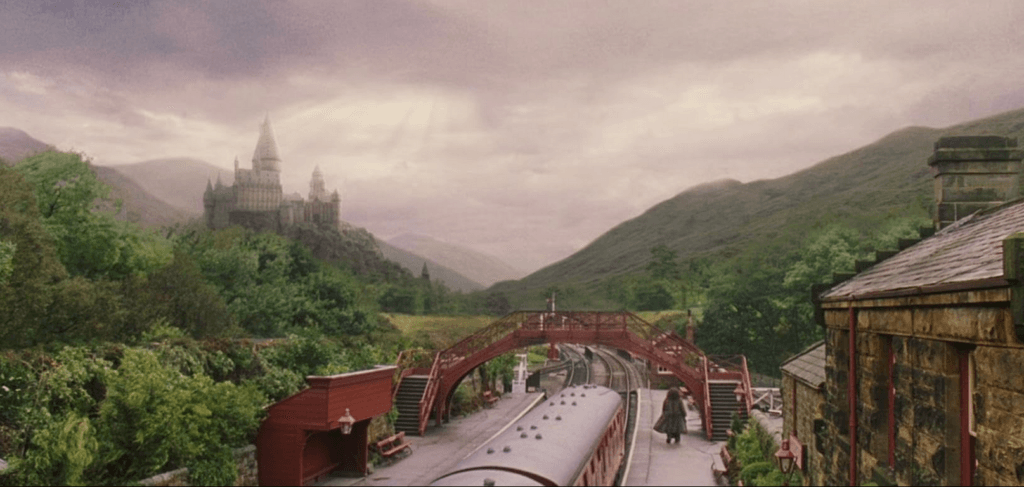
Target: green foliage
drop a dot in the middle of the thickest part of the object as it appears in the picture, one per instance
(90, 243)
(218, 467)
(653, 296)
(663, 265)
(755, 470)
(7, 250)
(59, 454)
(173, 418)
(179, 293)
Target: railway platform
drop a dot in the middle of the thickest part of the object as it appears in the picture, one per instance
(689, 462)
(441, 448)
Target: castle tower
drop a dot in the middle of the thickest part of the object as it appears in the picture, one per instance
(265, 157)
(317, 187)
(259, 189)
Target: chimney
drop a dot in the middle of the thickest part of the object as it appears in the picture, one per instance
(974, 173)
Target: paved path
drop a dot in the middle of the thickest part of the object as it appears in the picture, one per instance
(442, 447)
(656, 463)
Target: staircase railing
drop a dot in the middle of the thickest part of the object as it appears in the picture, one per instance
(409, 362)
(746, 385)
(429, 393)
(708, 420)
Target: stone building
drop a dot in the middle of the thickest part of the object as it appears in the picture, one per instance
(256, 199)
(803, 410)
(925, 348)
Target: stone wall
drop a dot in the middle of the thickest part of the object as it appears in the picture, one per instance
(810, 405)
(245, 459)
(926, 380)
(999, 415)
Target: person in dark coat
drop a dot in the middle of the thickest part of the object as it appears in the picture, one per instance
(673, 416)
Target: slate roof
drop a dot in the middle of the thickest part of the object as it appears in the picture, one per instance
(969, 250)
(809, 366)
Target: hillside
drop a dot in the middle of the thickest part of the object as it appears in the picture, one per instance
(179, 181)
(16, 145)
(477, 266)
(138, 205)
(414, 263)
(889, 177)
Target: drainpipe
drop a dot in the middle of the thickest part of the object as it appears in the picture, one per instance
(851, 382)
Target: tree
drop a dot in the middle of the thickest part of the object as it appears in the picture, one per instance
(7, 250)
(663, 264)
(90, 243)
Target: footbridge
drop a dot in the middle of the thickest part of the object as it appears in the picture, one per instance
(720, 385)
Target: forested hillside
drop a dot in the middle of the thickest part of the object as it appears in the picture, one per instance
(718, 221)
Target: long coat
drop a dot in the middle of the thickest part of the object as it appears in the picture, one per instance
(673, 417)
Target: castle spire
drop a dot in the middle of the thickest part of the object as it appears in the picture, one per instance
(265, 157)
(317, 186)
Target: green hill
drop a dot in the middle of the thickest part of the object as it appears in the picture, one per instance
(889, 177)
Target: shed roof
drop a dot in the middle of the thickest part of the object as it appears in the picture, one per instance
(808, 366)
(969, 250)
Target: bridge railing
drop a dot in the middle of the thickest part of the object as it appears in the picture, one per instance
(708, 420)
(665, 346)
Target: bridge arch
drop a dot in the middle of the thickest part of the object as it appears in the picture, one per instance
(623, 330)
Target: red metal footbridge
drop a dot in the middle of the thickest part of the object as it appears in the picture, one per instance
(426, 381)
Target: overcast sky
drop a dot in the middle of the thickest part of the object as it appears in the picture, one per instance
(524, 128)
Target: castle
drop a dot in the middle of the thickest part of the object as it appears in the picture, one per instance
(256, 200)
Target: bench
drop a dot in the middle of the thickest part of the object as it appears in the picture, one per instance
(392, 445)
(726, 460)
(489, 398)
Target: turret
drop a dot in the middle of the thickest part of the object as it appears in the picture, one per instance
(265, 157)
(317, 187)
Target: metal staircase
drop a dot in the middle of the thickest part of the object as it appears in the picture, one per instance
(407, 400)
(723, 405)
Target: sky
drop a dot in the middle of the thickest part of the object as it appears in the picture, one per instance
(522, 129)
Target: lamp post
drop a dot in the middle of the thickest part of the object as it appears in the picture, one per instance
(346, 422)
(786, 459)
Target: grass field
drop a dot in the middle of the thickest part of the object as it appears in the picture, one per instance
(438, 332)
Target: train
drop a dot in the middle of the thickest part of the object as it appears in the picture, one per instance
(575, 437)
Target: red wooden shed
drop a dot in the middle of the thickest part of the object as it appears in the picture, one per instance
(301, 438)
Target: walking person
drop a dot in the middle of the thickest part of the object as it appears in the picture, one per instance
(673, 417)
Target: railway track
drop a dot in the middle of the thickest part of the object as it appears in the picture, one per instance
(623, 377)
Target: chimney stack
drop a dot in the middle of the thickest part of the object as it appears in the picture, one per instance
(973, 173)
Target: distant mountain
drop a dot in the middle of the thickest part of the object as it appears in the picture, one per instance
(179, 181)
(16, 145)
(138, 205)
(477, 266)
(414, 263)
(889, 177)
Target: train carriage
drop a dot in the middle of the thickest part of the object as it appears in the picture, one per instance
(576, 437)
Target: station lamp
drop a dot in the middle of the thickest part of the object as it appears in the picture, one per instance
(786, 460)
(740, 393)
(346, 422)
